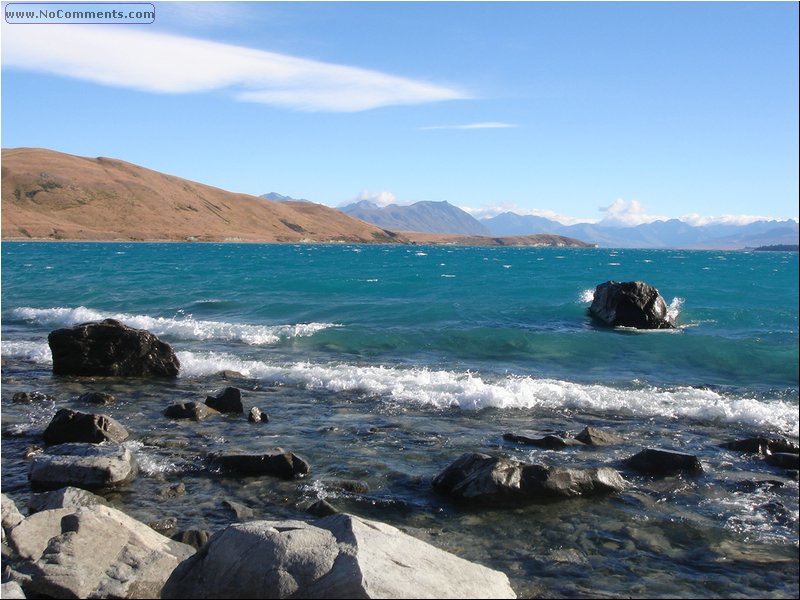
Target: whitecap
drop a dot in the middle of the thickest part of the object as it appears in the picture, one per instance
(181, 327)
(471, 391)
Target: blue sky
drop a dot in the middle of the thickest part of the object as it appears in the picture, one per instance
(617, 111)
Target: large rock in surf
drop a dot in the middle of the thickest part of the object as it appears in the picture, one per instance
(83, 465)
(278, 463)
(73, 426)
(109, 348)
(94, 552)
(340, 556)
(660, 462)
(484, 479)
(630, 304)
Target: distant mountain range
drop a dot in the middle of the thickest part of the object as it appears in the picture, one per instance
(444, 218)
(658, 234)
(426, 217)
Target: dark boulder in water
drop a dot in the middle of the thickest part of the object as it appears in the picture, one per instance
(228, 400)
(72, 426)
(484, 479)
(591, 436)
(278, 463)
(196, 411)
(109, 348)
(762, 445)
(630, 304)
(549, 441)
(659, 462)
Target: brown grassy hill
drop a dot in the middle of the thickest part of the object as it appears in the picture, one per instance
(51, 195)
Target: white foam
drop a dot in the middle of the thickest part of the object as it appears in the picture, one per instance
(586, 296)
(38, 352)
(183, 327)
(470, 391)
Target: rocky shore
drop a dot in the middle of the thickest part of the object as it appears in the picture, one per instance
(71, 542)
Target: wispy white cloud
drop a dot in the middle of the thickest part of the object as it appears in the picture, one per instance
(483, 125)
(172, 64)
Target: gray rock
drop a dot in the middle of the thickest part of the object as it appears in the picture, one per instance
(196, 411)
(630, 304)
(547, 441)
(480, 478)
(659, 462)
(83, 465)
(341, 556)
(11, 517)
(256, 416)
(322, 508)
(67, 497)
(278, 463)
(173, 491)
(96, 398)
(164, 526)
(228, 400)
(241, 511)
(109, 348)
(72, 426)
(30, 538)
(100, 552)
(11, 589)
(592, 436)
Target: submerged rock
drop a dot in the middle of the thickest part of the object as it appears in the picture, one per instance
(26, 397)
(109, 348)
(630, 304)
(279, 463)
(481, 478)
(96, 398)
(83, 465)
(72, 426)
(228, 400)
(97, 552)
(196, 411)
(656, 461)
(786, 460)
(340, 556)
(592, 436)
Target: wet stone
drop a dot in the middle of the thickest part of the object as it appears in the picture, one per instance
(164, 526)
(784, 460)
(256, 416)
(241, 511)
(547, 441)
(228, 400)
(173, 491)
(96, 398)
(73, 426)
(656, 461)
(25, 397)
(196, 411)
(598, 437)
(196, 538)
(322, 508)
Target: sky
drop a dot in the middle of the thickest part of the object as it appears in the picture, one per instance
(580, 111)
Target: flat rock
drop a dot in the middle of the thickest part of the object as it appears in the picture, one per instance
(228, 400)
(196, 411)
(485, 479)
(630, 304)
(549, 441)
(72, 426)
(83, 465)
(340, 556)
(591, 436)
(656, 461)
(100, 552)
(278, 463)
(66, 497)
(109, 348)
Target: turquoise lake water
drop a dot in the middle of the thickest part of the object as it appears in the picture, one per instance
(384, 363)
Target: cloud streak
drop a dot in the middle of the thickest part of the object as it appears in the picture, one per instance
(171, 64)
(483, 125)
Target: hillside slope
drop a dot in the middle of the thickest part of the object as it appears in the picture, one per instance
(52, 195)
